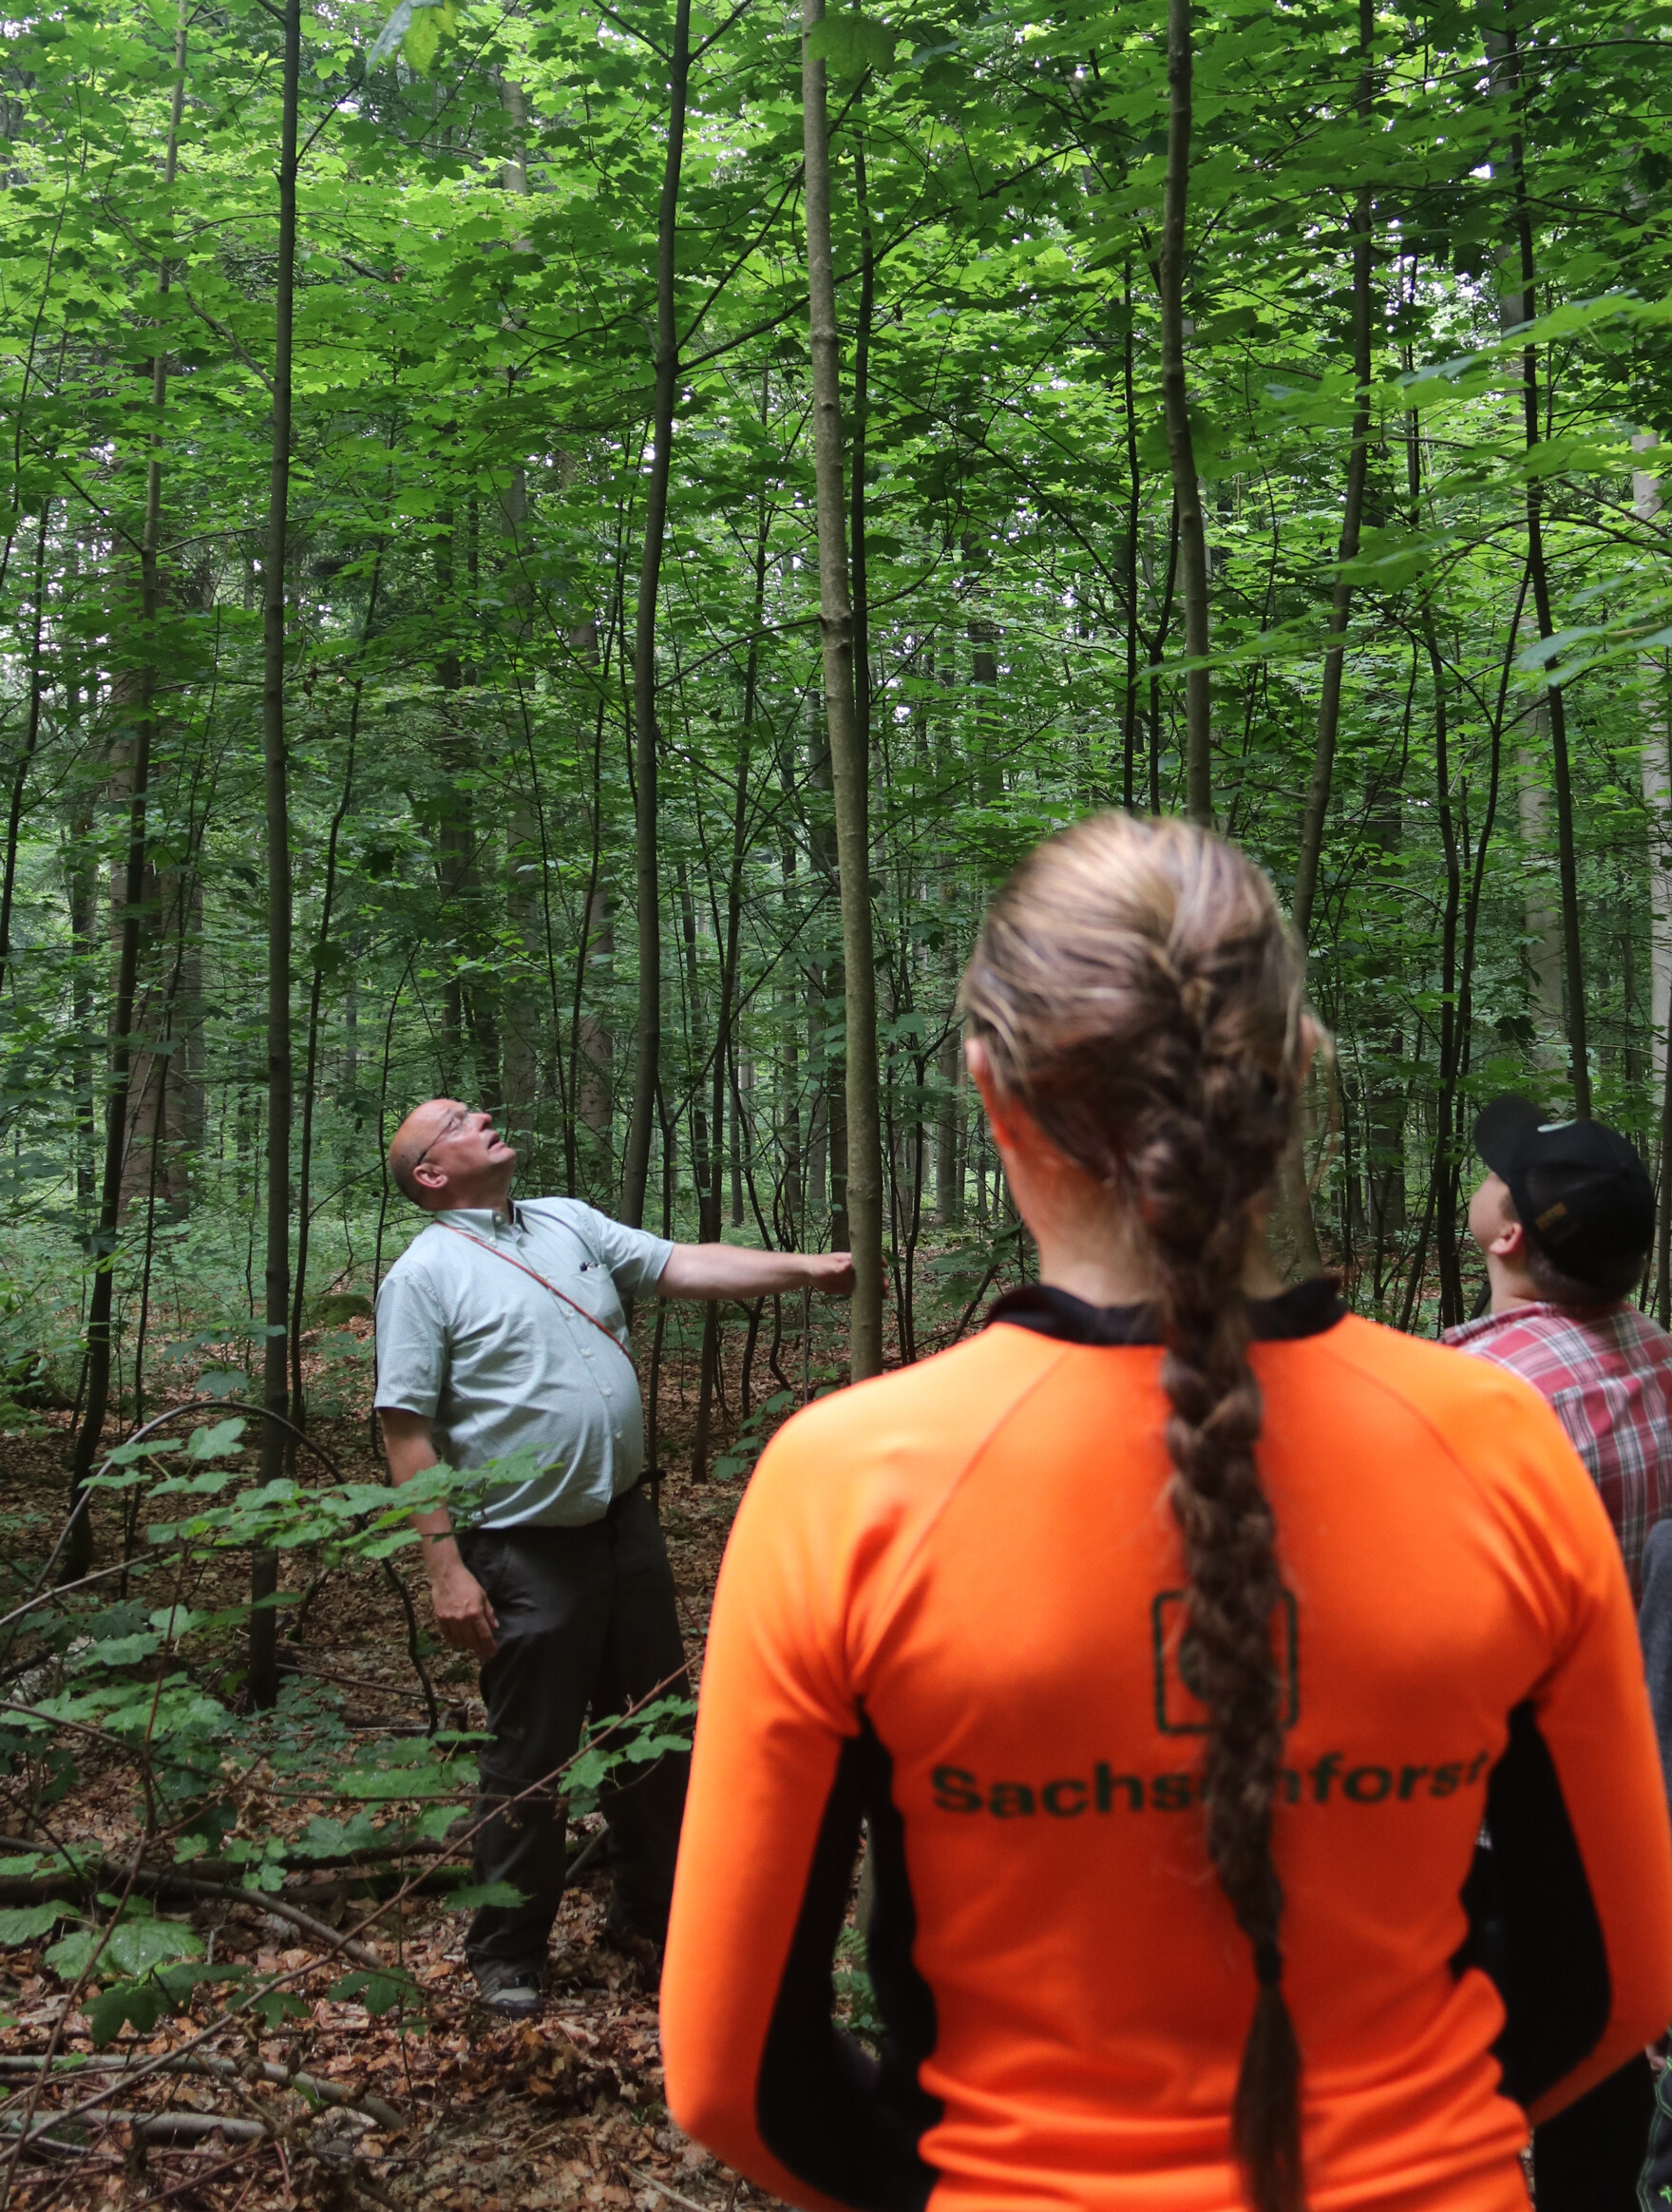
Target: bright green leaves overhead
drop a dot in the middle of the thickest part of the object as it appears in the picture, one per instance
(417, 27)
(851, 44)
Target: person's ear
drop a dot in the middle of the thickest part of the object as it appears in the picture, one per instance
(1507, 1237)
(430, 1177)
(1511, 1245)
(1001, 1112)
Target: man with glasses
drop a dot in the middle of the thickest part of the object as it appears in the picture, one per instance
(501, 1330)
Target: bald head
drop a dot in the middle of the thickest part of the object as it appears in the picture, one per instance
(446, 1153)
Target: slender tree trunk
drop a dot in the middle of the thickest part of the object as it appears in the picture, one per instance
(1158, 653)
(646, 735)
(276, 1376)
(316, 994)
(1657, 794)
(862, 408)
(1446, 1161)
(949, 1130)
(1180, 449)
(83, 889)
(79, 1550)
(31, 739)
(1329, 705)
(849, 764)
(729, 952)
(1128, 733)
(1657, 799)
(1555, 696)
(590, 1042)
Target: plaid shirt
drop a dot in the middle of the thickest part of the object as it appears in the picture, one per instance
(1608, 1374)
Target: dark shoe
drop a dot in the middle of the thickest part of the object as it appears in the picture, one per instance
(514, 1991)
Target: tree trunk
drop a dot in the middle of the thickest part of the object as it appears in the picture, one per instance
(31, 739)
(1129, 735)
(525, 843)
(1657, 793)
(849, 765)
(322, 949)
(949, 1130)
(1180, 449)
(592, 1044)
(82, 891)
(78, 1550)
(646, 736)
(1329, 705)
(1555, 698)
(276, 1376)
(1657, 799)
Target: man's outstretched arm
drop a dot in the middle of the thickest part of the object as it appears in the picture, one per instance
(462, 1614)
(723, 1270)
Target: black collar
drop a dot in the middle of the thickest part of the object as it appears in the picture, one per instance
(1307, 1309)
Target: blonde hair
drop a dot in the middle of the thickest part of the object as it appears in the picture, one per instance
(1140, 993)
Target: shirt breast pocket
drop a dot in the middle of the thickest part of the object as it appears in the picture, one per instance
(600, 1297)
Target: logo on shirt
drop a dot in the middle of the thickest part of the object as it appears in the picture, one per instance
(1335, 1779)
(1177, 1652)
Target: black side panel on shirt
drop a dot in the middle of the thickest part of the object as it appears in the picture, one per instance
(1532, 1921)
(844, 2122)
(1303, 1310)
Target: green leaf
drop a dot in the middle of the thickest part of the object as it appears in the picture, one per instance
(474, 1895)
(272, 2006)
(220, 1438)
(851, 44)
(69, 1956)
(327, 1838)
(23, 1923)
(109, 2012)
(143, 2002)
(379, 1992)
(373, 1784)
(134, 1947)
(223, 1383)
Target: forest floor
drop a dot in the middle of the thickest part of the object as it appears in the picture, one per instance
(466, 2113)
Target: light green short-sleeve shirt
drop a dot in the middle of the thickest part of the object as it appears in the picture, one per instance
(501, 1366)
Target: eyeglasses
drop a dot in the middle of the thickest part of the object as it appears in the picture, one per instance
(451, 1127)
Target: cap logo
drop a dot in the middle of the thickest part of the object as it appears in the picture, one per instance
(1551, 1128)
(1551, 1213)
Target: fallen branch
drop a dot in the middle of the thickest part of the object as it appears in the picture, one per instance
(225, 2069)
(321, 1931)
(95, 1873)
(153, 2126)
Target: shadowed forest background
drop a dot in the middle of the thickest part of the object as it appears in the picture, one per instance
(464, 629)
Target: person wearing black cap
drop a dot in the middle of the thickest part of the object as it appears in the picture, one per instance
(1566, 1219)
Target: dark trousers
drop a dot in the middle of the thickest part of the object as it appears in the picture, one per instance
(1589, 2158)
(587, 1618)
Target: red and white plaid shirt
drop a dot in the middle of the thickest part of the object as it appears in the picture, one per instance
(1608, 1374)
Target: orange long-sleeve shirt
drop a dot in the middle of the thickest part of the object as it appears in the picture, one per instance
(953, 1604)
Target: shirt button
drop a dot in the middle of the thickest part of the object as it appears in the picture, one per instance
(607, 1391)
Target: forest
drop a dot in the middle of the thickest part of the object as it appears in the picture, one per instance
(557, 555)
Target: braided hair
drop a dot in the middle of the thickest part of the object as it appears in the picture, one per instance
(1140, 993)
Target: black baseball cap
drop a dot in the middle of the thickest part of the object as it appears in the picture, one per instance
(1584, 1196)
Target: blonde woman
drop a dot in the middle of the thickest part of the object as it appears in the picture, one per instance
(1174, 1637)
